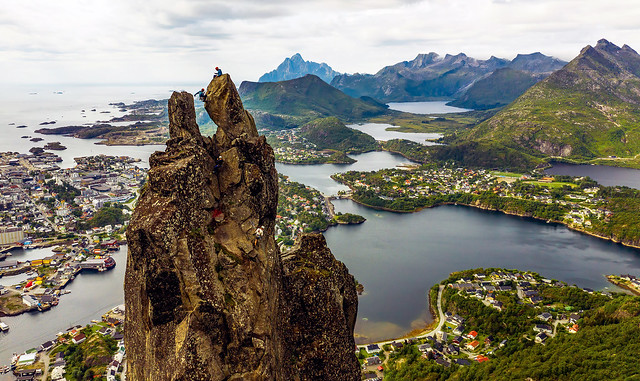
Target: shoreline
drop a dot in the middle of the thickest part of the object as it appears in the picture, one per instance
(612, 280)
(576, 229)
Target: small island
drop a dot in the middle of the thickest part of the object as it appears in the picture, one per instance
(54, 146)
(149, 125)
(348, 218)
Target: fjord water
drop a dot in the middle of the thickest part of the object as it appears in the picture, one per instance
(397, 257)
(380, 131)
(603, 174)
(92, 294)
(431, 107)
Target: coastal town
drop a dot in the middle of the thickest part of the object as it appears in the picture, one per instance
(65, 355)
(45, 201)
(574, 201)
(291, 148)
(302, 209)
(473, 306)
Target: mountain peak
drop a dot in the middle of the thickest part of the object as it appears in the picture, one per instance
(607, 46)
(536, 63)
(297, 58)
(296, 67)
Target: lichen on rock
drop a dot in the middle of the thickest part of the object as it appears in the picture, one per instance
(205, 292)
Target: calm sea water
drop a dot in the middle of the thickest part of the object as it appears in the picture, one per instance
(31, 106)
(396, 256)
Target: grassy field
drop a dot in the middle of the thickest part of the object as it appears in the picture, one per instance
(555, 184)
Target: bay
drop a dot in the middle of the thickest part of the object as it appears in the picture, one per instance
(398, 257)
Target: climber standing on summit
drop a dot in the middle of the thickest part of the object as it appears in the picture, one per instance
(218, 72)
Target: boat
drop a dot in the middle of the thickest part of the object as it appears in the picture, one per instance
(3, 327)
(109, 263)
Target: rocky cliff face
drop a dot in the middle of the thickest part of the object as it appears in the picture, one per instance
(206, 292)
(320, 302)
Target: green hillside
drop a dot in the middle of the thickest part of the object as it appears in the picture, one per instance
(500, 88)
(589, 109)
(297, 101)
(331, 133)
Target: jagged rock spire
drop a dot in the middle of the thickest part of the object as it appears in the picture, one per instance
(203, 289)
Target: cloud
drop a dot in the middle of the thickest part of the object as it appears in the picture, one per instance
(250, 37)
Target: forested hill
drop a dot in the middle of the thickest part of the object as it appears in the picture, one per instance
(301, 100)
(591, 336)
(331, 133)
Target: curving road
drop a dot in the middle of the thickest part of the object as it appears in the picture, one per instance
(424, 334)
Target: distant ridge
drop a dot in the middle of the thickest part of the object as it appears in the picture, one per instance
(500, 88)
(296, 67)
(430, 76)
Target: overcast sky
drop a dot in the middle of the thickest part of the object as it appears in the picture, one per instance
(180, 41)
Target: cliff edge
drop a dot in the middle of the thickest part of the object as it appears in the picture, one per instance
(207, 294)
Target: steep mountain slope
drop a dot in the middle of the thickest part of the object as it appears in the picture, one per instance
(207, 292)
(588, 109)
(305, 99)
(430, 76)
(296, 67)
(500, 88)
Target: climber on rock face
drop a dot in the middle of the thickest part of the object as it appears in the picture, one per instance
(202, 94)
(218, 72)
(218, 163)
(259, 233)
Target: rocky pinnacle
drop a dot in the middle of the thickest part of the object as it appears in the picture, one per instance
(207, 293)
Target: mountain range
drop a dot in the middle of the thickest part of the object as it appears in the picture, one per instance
(296, 67)
(430, 76)
(588, 109)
